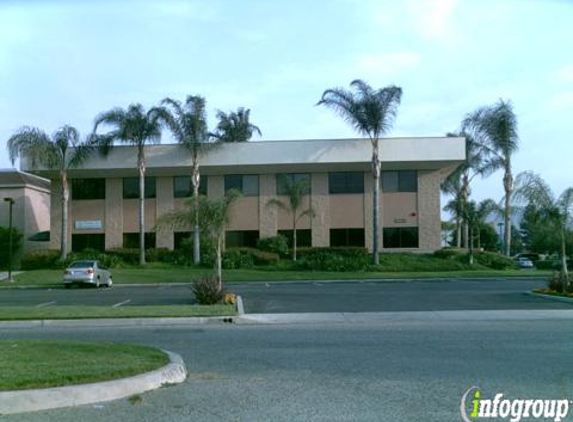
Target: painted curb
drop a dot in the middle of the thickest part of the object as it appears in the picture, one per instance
(77, 395)
(552, 297)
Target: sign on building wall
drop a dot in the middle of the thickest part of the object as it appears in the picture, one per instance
(88, 225)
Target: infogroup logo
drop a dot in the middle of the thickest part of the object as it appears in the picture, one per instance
(474, 407)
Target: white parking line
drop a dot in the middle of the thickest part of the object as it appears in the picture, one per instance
(117, 305)
(42, 305)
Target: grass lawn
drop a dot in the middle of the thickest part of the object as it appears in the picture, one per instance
(40, 364)
(12, 313)
(154, 273)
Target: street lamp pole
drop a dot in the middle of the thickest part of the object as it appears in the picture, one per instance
(11, 204)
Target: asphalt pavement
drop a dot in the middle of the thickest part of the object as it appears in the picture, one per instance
(395, 371)
(356, 296)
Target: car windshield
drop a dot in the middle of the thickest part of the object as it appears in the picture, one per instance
(82, 264)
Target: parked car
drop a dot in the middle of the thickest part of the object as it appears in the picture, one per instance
(87, 272)
(524, 262)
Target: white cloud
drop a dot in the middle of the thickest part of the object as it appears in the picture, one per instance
(433, 18)
(564, 74)
(389, 63)
(561, 101)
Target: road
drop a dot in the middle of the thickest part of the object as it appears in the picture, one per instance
(358, 296)
(415, 370)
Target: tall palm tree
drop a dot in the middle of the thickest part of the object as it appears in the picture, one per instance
(133, 126)
(295, 192)
(475, 215)
(371, 113)
(557, 212)
(188, 124)
(494, 129)
(62, 151)
(235, 126)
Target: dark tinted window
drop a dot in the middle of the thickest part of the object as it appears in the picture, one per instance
(88, 189)
(247, 184)
(292, 179)
(346, 237)
(82, 264)
(131, 187)
(182, 187)
(81, 242)
(345, 182)
(303, 237)
(237, 238)
(131, 240)
(180, 237)
(400, 181)
(400, 237)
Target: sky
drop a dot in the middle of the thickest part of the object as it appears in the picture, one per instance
(64, 61)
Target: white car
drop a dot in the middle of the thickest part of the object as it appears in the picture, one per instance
(87, 272)
(524, 262)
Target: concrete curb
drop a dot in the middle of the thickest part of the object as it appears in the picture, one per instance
(76, 395)
(551, 297)
(240, 307)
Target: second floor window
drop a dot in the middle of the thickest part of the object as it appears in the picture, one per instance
(131, 187)
(400, 181)
(88, 189)
(182, 187)
(292, 178)
(347, 182)
(247, 184)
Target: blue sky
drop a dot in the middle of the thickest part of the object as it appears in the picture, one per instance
(62, 62)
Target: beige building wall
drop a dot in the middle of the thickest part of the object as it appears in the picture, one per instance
(320, 206)
(131, 215)
(284, 218)
(245, 214)
(268, 224)
(429, 210)
(346, 211)
(164, 204)
(400, 209)
(114, 213)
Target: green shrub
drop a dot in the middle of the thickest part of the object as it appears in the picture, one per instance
(404, 262)
(450, 253)
(41, 259)
(184, 254)
(558, 282)
(547, 265)
(160, 255)
(494, 260)
(5, 246)
(105, 260)
(206, 290)
(234, 258)
(126, 255)
(276, 244)
(333, 259)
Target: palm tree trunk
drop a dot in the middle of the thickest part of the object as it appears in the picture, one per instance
(141, 167)
(195, 180)
(464, 198)
(294, 236)
(64, 231)
(465, 234)
(564, 261)
(458, 233)
(375, 202)
(508, 186)
(218, 263)
(471, 246)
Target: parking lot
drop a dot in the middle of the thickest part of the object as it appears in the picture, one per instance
(354, 296)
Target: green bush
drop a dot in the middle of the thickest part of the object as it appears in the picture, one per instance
(234, 258)
(450, 253)
(560, 283)
(494, 260)
(276, 244)
(206, 290)
(5, 246)
(105, 260)
(160, 255)
(126, 255)
(184, 254)
(333, 259)
(547, 265)
(42, 259)
(404, 262)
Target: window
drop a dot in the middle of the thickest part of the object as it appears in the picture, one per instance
(347, 237)
(131, 187)
(88, 189)
(131, 240)
(180, 237)
(400, 237)
(247, 184)
(182, 187)
(303, 237)
(237, 238)
(81, 242)
(345, 183)
(292, 179)
(400, 181)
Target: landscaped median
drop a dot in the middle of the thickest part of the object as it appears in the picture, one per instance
(36, 375)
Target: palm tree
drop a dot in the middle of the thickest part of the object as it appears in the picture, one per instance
(215, 215)
(494, 129)
(133, 126)
(62, 151)
(235, 126)
(295, 193)
(455, 207)
(557, 212)
(475, 215)
(188, 124)
(371, 113)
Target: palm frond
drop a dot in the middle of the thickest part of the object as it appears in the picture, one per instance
(35, 145)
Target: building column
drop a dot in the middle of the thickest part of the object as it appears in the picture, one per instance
(429, 215)
(319, 201)
(163, 204)
(267, 215)
(113, 213)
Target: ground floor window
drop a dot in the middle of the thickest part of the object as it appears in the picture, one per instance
(131, 240)
(303, 237)
(347, 237)
(81, 242)
(401, 237)
(239, 238)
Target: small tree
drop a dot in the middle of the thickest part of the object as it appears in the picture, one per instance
(5, 245)
(295, 192)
